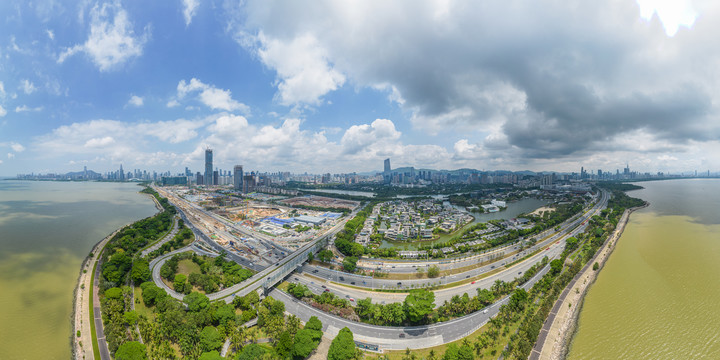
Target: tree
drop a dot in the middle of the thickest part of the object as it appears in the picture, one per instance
(350, 263)
(343, 346)
(131, 350)
(596, 266)
(418, 304)
(210, 339)
(113, 293)
(433, 271)
(131, 317)
(556, 266)
(485, 296)
(140, 271)
(179, 283)
(151, 293)
(284, 344)
(314, 324)
(311, 257)
(304, 344)
(196, 301)
(420, 272)
(251, 352)
(212, 355)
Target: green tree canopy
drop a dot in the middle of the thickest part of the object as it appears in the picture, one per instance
(418, 304)
(131, 350)
(196, 301)
(251, 352)
(210, 339)
(343, 346)
(212, 355)
(113, 293)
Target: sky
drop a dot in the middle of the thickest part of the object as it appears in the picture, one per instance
(338, 86)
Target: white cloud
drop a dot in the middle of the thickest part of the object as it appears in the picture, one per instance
(359, 137)
(17, 147)
(135, 101)
(27, 87)
(672, 13)
(25, 108)
(173, 103)
(189, 10)
(10, 155)
(50, 34)
(303, 70)
(216, 99)
(3, 112)
(2, 89)
(99, 142)
(112, 40)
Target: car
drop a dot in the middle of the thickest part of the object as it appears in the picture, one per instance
(467, 276)
(519, 272)
(402, 335)
(473, 283)
(315, 271)
(342, 278)
(352, 283)
(399, 283)
(492, 267)
(296, 279)
(485, 311)
(326, 289)
(347, 296)
(351, 299)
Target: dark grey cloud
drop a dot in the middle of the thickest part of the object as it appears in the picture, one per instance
(556, 79)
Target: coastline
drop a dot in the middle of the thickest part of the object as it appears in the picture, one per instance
(82, 346)
(565, 324)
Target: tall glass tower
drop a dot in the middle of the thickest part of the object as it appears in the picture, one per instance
(208, 180)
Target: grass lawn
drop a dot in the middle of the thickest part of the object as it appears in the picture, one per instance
(187, 267)
(140, 307)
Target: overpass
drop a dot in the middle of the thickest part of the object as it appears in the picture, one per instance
(266, 278)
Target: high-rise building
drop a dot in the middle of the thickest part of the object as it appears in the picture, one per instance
(387, 165)
(208, 167)
(216, 178)
(198, 178)
(238, 178)
(122, 173)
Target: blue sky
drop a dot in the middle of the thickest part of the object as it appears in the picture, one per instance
(339, 86)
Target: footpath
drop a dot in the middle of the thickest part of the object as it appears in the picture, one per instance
(557, 331)
(82, 346)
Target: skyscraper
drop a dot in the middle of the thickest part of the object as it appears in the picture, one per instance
(122, 173)
(387, 165)
(238, 178)
(208, 178)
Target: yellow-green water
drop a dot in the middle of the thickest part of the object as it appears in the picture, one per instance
(46, 230)
(658, 296)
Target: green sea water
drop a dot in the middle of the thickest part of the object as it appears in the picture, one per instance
(46, 230)
(658, 296)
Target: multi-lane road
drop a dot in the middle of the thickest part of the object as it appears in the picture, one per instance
(569, 228)
(399, 338)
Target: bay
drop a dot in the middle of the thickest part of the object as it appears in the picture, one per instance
(46, 230)
(656, 297)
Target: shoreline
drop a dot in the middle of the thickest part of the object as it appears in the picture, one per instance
(82, 346)
(565, 324)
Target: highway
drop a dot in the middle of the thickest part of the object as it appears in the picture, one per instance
(389, 337)
(571, 227)
(506, 275)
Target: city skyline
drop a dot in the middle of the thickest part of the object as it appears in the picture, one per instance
(281, 92)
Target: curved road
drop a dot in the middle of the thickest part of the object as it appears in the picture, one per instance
(399, 338)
